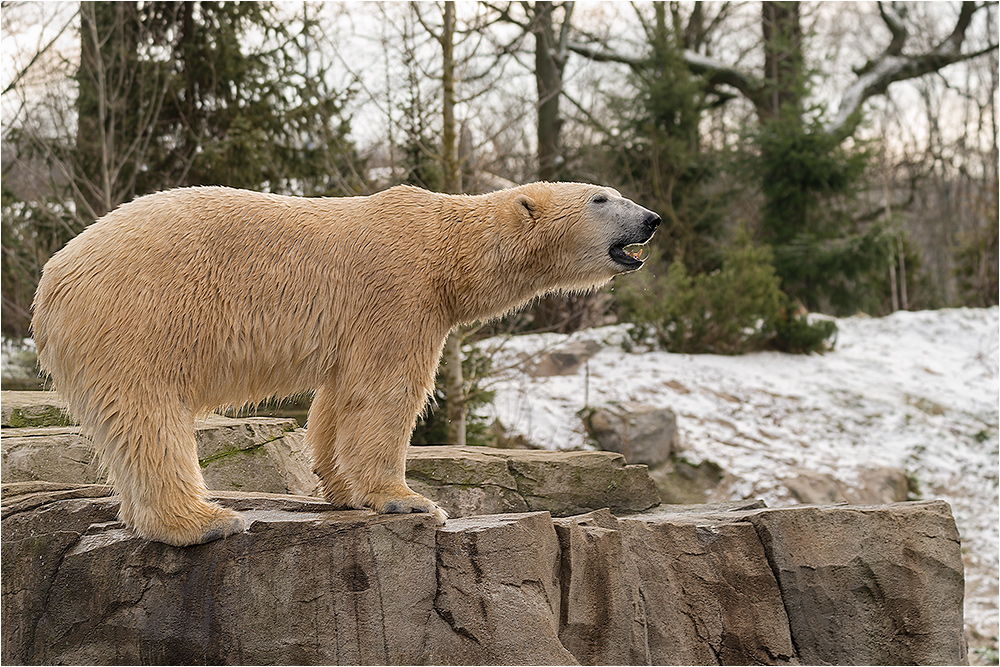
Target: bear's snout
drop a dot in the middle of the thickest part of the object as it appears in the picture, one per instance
(637, 227)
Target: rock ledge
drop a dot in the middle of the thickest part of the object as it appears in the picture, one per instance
(712, 584)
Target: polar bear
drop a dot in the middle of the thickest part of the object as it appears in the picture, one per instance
(191, 299)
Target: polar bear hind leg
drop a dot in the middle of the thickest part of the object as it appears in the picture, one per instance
(152, 460)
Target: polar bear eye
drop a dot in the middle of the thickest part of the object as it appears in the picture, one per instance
(600, 199)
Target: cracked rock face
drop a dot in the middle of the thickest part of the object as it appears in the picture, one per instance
(712, 584)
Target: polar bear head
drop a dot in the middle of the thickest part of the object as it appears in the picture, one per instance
(579, 236)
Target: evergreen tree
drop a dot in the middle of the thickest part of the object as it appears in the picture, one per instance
(809, 181)
(658, 146)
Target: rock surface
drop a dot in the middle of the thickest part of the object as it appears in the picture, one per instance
(875, 485)
(20, 409)
(469, 481)
(724, 584)
(565, 360)
(259, 453)
(268, 455)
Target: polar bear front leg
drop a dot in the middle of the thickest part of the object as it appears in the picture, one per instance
(359, 442)
(321, 439)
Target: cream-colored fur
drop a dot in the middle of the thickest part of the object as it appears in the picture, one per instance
(195, 298)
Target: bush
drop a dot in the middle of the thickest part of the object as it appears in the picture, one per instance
(736, 309)
(796, 334)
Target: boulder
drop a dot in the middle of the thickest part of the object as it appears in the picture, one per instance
(879, 584)
(259, 453)
(734, 583)
(874, 486)
(265, 454)
(564, 360)
(680, 481)
(643, 434)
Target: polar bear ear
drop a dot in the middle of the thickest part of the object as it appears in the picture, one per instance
(529, 206)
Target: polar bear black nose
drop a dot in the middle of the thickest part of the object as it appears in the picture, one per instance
(651, 222)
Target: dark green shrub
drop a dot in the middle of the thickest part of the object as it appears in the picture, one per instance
(796, 334)
(736, 309)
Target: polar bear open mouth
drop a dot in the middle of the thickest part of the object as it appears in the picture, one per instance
(629, 255)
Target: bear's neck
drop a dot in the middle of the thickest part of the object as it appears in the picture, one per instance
(491, 273)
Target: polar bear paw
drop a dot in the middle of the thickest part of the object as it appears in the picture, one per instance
(207, 523)
(226, 523)
(413, 504)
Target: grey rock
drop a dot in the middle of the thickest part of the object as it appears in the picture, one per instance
(259, 453)
(23, 409)
(468, 481)
(496, 573)
(874, 486)
(880, 585)
(715, 600)
(56, 454)
(255, 454)
(680, 481)
(564, 360)
(604, 619)
(643, 434)
(268, 455)
(566, 483)
(100, 595)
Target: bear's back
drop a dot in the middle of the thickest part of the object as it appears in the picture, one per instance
(207, 278)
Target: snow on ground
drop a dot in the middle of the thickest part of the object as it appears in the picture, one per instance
(915, 390)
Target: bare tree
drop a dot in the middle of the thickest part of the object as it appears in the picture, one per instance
(782, 37)
(551, 51)
(453, 165)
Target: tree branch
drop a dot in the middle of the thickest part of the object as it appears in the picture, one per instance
(38, 54)
(897, 28)
(564, 30)
(717, 73)
(957, 36)
(603, 55)
(890, 67)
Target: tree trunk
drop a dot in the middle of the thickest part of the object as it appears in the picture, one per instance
(454, 382)
(548, 80)
(452, 170)
(554, 313)
(782, 31)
